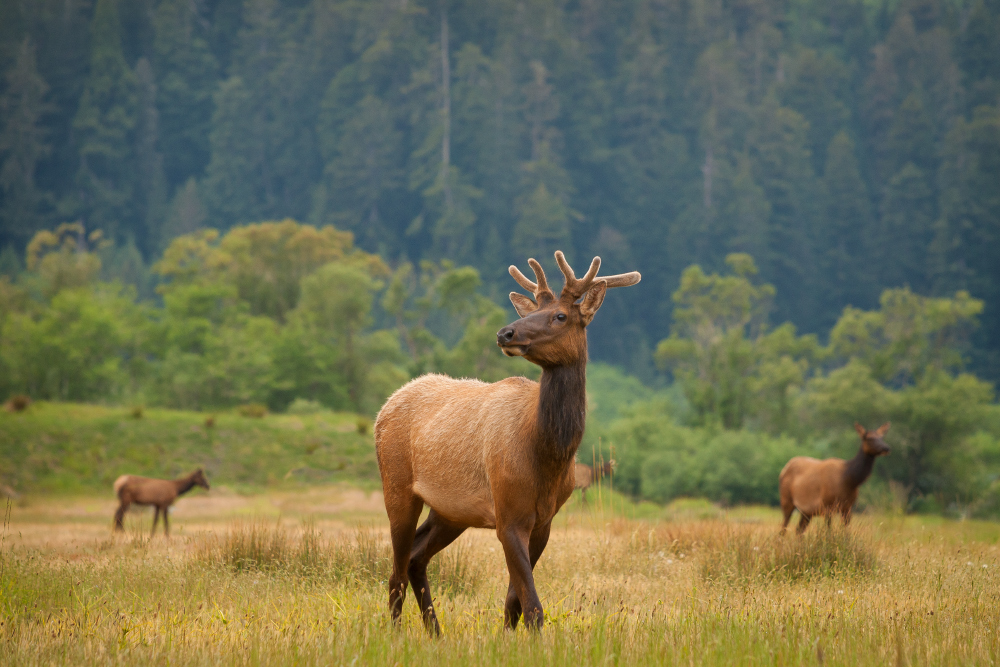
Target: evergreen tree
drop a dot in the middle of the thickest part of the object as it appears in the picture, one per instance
(905, 230)
(844, 240)
(782, 165)
(187, 74)
(151, 183)
(234, 192)
(543, 208)
(24, 206)
(185, 215)
(104, 126)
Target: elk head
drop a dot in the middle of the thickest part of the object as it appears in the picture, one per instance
(199, 479)
(552, 331)
(871, 441)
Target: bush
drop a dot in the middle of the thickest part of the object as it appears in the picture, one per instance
(660, 461)
(17, 403)
(253, 410)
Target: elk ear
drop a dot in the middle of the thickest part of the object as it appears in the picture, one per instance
(882, 430)
(592, 301)
(522, 304)
(860, 429)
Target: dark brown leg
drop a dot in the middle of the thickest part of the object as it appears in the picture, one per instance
(803, 523)
(403, 517)
(432, 536)
(156, 517)
(166, 522)
(120, 516)
(786, 510)
(537, 541)
(829, 520)
(847, 516)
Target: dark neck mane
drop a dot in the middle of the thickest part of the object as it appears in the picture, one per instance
(859, 468)
(184, 484)
(562, 412)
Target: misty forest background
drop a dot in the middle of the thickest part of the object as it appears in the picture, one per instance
(303, 204)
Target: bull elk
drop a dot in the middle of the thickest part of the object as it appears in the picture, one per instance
(497, 456)
(585, 475)
(815, 487)
(160, 493)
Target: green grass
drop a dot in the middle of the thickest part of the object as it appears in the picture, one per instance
(74, 448)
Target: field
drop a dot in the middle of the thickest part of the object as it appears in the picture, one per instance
(298, 577)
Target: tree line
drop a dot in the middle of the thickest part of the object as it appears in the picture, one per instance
(297, 318)
(849, 146)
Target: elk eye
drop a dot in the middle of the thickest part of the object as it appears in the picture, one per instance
(561, 317)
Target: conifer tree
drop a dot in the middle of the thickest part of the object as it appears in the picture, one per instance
(104, 127)
(23, 143)
(844, 241)
(187, 74)
(151, 183)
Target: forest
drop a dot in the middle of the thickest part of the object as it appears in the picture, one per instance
(213, 203)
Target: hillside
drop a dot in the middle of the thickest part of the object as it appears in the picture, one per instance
(65, 447)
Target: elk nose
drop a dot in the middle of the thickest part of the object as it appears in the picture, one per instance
(505, 335)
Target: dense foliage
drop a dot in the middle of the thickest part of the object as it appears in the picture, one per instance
(849, 146)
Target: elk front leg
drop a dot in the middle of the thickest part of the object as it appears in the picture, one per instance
(166, 522)
(156, 518)
(537, 541)
(803, 523)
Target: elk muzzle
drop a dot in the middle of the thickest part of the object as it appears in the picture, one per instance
(506, 342)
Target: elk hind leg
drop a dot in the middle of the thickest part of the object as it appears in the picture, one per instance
(803, 523)
(433, 535)
(787, 509)
(156, 518)
(120, 515)
(166, 521)
(404, 512)
(537, 541)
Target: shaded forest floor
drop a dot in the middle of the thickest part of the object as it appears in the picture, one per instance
(300, 577)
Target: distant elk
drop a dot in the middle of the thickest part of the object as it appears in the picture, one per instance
(160, 493)
(585, 475)
(828, 487)
(496, 456)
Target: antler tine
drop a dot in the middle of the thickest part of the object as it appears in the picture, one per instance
(543, 284)
(539, 290)
(521, 279)
(622, 279)
(577, 287)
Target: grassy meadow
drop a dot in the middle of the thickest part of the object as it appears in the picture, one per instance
(299, 577)
(286, 559)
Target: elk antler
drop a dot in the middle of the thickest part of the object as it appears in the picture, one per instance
(576, 288)
(539, 290)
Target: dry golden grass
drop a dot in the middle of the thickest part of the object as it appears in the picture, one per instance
(691, 586)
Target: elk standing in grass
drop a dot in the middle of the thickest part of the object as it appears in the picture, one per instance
(585, 475)
(495, 455)
(160, 493)
(830, 486)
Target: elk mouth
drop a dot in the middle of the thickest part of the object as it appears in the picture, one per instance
(514, 349)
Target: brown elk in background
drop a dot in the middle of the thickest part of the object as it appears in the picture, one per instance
(498, 455)
(160, 493)
(585, 475)
(830, 486)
